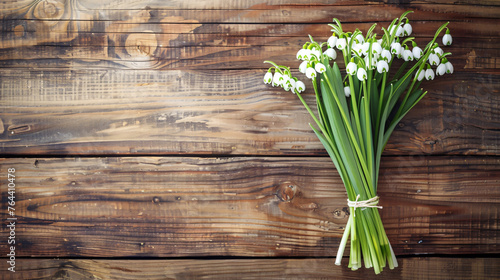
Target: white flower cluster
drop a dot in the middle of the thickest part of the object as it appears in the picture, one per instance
(363, 54)
(283, 78)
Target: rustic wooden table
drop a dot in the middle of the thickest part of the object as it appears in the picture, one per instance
(145, 145)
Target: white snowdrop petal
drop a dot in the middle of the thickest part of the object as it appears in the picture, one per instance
(447, 39)
(320, 67)
(449, 67)
(429, 74)
(347, 91)
(361, 74)
(268, 78)
(351, 68)
(310, 73)
(441, 70)
(407, 29)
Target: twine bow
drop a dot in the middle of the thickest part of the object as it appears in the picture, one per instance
(370, 203)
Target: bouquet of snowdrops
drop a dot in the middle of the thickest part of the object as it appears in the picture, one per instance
(358, 109)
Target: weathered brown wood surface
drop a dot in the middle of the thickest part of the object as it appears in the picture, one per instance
(142, 129)
(252, 207)
(420, 268)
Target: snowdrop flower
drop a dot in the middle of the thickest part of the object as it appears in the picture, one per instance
(417, 52)
(268, 78)
(360, 39)
(365, 47)
(361, 74)
(351, 68)
(386, 54)
(429, 74)
(400, 31)
(373, 65)
(407, 29)
(357, 49)
(287, 86)
(292, 84)
(438, 50)
(420, 75)
(396, 48)
(449, 67)
(441, 69)
(320, 67)
(303, 67)
(306, 54)
(311, 73)
(300, 54)
(277, 79)
(376, 48)
(331, 53)
(408, 55)
(332, 41)
(347, 91)
(341, 43)
(316, 53)
(447, 39)
(299, 86)
(433, 59)
(382, 66)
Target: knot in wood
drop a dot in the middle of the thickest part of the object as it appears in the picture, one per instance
(49, 9)
(286, 191)
(141, 45)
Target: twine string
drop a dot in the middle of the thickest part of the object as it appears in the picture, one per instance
(370, 203)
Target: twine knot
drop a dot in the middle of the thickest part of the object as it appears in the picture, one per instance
(370, 203)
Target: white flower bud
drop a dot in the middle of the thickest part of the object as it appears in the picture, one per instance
(310, 73)
(382, 66)
(386, 54)
(438, 50)
(351, 68)
(417, 52)
(341, 43)
(268, 78)
(316, 53)
(407, 29)
(429, 74)
(420, 75)
(396, 48)
(447, 39)
(320, 67)
(441, 70)
(407, 55)
(400, 31)
(331, 53)
(449, 67)
(277, 79)
(347, 91)
(332, 41)
(303, 67)
(360, 39)
(300, 53)
(361, 74)
(376, 48)
(433, 59)
(299, 86)
(364, 48)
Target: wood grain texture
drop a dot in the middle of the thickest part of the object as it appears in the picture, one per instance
(96, 112)
(418, 268)
(278, 206)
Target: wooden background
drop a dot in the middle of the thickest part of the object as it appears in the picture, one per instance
(146, 145)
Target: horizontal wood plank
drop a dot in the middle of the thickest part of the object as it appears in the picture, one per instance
(415, 268)
(96, 112)
(266, 206)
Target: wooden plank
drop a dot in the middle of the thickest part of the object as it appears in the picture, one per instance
(218, 112)
(418, 268)
(265, 206)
